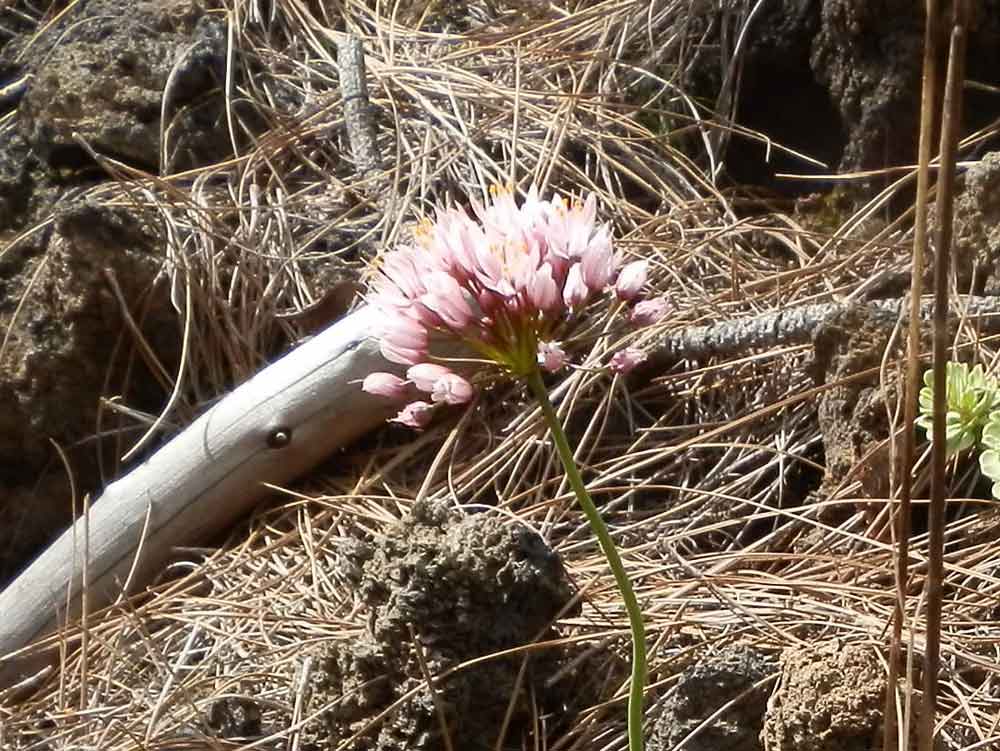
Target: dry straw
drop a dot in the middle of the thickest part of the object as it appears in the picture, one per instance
(704, 469)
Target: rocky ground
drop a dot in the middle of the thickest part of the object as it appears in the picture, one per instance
(82, 281)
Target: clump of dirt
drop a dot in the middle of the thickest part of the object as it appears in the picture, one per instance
(64, 347)
(103, 73)
(830, 699)
(728, 675)
(444, 589)
(852, 415)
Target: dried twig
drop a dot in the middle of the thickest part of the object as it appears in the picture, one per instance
(950, 124)
(791, 326)
(357, 108)
(903, 516)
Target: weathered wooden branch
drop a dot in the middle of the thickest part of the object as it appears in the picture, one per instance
(282, 422)
(790, 326)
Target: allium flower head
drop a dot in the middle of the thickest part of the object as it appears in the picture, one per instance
(504, 280)
(500, 284)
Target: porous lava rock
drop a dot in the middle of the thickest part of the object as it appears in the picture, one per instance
(830, 699)
(852, 411)
(725, 676)
(103, 72)
(108, 72)
(448, 588)
(976, 228)
(838, 80)
(65, 344)
(868, 55)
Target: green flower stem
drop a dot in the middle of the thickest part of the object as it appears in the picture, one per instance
(597, 526)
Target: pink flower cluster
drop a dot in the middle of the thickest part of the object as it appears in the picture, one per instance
(503, 285)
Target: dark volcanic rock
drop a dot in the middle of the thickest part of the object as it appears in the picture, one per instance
(710, 684)
(868, 55)
(852, 413)
(976, 228)
(103, 72)
(66, 343)
(460, 588)
(108, 70)
(839, 80)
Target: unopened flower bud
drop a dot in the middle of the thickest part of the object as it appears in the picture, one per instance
(451, 389)
(648, 312)
(424, 375)
(626, 360)
(630, 281)
(551, 356)
(384, 384)
(415, 415)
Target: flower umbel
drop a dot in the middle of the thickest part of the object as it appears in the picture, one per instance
(501, 284)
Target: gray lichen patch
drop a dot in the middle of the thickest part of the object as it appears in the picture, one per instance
(448, 589)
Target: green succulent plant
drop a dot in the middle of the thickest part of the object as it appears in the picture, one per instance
(989, 460)
(972, 398)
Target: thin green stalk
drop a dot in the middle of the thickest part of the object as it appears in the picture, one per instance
(600, 530)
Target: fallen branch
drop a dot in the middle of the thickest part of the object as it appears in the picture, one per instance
(273, 428)
(357, 109)
(792, 326)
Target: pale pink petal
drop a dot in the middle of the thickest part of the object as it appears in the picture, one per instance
(523, 260)
(415, 415)
(452, 389)
(551, 356)
(648, 312)
(533, 207)
(400, 266)
(630, 281)
(626, 360)
(447, 299)
(425, 374)
(598, 261)
(589, 211)
(385, 384)
(575, 291)
(577, 236)
(403, 331)
(426, 313)
(401, 355)
(543, 293)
